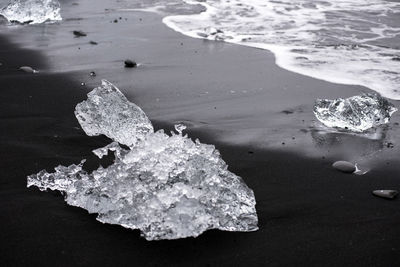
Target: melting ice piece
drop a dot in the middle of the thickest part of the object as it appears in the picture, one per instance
(169, 187)
(357, 113)
(32, 11)
(213, 34)
(107, 111)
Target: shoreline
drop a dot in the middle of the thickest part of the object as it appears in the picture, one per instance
(309, 213)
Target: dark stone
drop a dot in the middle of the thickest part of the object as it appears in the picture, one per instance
(287, 111)
(344, 166)
(79, 33)
(130, 64)
(390, 145)
(93, 43)
(388, 194)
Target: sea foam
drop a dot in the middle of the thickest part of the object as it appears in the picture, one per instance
(347, 42)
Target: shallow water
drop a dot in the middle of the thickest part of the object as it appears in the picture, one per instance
(188, 80)
(346, 41)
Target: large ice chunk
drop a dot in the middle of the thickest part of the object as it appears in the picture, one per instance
(357, 113)
(107, 111)
(32, 11)
(168, 186)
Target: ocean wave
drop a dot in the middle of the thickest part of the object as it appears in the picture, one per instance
(346, 41)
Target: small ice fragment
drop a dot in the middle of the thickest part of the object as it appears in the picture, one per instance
(180, 127)
(32, 11)
(169, 187)
(212, 33)
(107, 111)
(357, 113)
(360, 171)
(103, 151)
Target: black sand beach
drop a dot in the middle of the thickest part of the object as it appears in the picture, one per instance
(309, 214)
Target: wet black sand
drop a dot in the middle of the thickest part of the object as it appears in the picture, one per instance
(310, 215)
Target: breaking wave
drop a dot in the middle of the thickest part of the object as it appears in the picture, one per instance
(344, 41)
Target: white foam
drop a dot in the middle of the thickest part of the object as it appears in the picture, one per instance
(336, 41)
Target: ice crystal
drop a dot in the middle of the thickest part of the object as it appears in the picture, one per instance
(32, 11)
(357, 113)
(168, 186)
(107, 111)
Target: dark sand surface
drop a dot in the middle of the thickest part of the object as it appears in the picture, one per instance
(310, 215)
(227, 95)
(234, 93)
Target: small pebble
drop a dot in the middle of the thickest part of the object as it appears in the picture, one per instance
(130, 64)
(287, 112)
(344, 166)
(79, 33)
(93, 43)
(389, 194)
(27, 69)
(93, 74)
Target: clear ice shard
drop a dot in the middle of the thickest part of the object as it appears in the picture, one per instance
(168, 186)
(32, 11)
(356, 113)
(107, 111)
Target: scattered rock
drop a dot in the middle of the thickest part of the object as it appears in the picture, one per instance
(79, 33)
(344, 166)
(287, 111)
(28, 69)
(130, 64)
(115, 21)
(389, 194)
(396, 59)
(390, 145)
(93, 74)
(93, 43)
